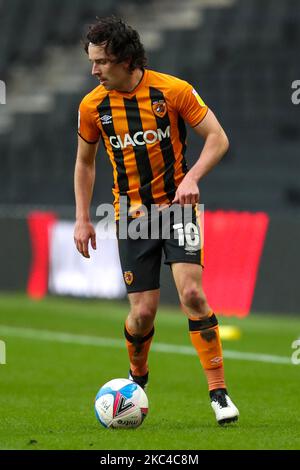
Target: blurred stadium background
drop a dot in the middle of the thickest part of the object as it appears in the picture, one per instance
(242, 57)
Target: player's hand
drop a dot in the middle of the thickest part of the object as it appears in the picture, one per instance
(83, 233)
(187, 192)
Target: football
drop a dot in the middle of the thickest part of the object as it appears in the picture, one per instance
(121, 403)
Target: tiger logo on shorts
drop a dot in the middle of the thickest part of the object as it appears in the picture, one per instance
(128, 277)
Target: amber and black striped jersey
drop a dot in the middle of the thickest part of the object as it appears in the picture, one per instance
(144, 135)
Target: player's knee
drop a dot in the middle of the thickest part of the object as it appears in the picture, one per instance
(192, 298)
(143, 315)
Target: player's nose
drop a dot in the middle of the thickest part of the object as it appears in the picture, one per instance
(95, 69)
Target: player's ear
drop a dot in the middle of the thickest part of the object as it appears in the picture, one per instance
(127, 64)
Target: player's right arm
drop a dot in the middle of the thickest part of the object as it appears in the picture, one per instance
(84, 179)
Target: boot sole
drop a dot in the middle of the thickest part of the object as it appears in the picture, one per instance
(228, 420)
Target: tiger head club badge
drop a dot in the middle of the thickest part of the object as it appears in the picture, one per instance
(128, 277)
(159, 108)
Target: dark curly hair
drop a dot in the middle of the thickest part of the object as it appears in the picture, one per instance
(120, 39)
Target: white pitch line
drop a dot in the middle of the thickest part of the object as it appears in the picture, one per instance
(61, 337)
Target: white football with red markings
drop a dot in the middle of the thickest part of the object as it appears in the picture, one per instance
(121, 403)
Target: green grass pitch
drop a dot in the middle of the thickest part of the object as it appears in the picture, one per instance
(56, 360)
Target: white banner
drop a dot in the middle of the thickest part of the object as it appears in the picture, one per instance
(72, 274)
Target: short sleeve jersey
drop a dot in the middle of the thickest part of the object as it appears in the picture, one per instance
(144, 135)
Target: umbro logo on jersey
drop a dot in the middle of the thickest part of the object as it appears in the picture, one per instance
(106, 119)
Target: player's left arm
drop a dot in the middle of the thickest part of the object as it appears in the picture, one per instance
(215, 146)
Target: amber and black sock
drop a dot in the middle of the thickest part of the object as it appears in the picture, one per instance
(138, 348)
(205, 337)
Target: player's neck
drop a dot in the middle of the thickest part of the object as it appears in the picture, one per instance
(133, 81)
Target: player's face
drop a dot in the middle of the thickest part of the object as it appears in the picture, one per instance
(112, 75)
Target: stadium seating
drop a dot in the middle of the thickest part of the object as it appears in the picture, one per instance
(242, 59)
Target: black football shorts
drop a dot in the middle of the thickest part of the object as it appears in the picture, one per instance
(174, 231)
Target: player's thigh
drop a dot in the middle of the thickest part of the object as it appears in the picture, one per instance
(188, 278)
